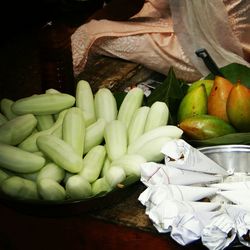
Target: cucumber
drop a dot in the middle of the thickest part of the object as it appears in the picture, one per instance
(20, 188)
(3, 119)
(131, 102)
(51, 171)
(73, 129)
(94, 135)
(85, 101)
(60, 152)
(131, 163)
(51, 190)
(115, 135)
(163, 131)
(100, 187)
(44, 122)
(115, 175)
(6, 108)
(29, 144)
(43, 104)
(137, 124)
(17, 129)
(3, 176)
(15, 159)
(93, 162)
(158, 116)
(77, 187)
(105, 105)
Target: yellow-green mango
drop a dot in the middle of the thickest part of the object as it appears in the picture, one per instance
(203, 127)
(238, 107)
(193, 103)
(217, 100)
(207, 83)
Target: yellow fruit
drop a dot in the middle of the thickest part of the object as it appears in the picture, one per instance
(203, 127)
(207, 83)
(238, 107)
(193, 103)
(217, 100)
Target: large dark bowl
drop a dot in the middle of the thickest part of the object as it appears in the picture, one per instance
(68, 207)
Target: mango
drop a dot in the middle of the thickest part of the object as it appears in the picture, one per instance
(217, 100)
(193, 103)
(203, 127)
(238, 107)
(207, 83)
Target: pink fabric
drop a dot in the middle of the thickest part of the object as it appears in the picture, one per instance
(239, 19)
(147, 38)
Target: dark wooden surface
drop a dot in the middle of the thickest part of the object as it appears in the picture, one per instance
(19, 231)
(115, 74)
(122, 225)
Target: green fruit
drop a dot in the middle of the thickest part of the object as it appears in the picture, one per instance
(203, 127)
(193, 103)
(238, 107)
(208, 85)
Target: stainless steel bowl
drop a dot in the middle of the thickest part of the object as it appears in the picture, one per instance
(234, 158)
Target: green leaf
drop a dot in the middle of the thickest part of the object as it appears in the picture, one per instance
(235, 138)
(171, 91)
(235, 72)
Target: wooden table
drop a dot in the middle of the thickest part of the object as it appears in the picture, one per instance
(122, 225)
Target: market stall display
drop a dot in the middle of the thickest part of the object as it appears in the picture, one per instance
(119, 177)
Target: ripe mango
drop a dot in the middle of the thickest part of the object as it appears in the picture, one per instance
(238, 107)
(208, 85)
(193, 103)
(217, 100)
(203, 127)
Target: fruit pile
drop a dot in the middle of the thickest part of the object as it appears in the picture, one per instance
(213, 108)
(55, 146)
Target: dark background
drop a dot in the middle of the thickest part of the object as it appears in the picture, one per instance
(25, 16)
(21, 23)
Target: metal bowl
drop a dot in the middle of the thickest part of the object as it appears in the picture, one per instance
(233, 158)
(236, 160)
